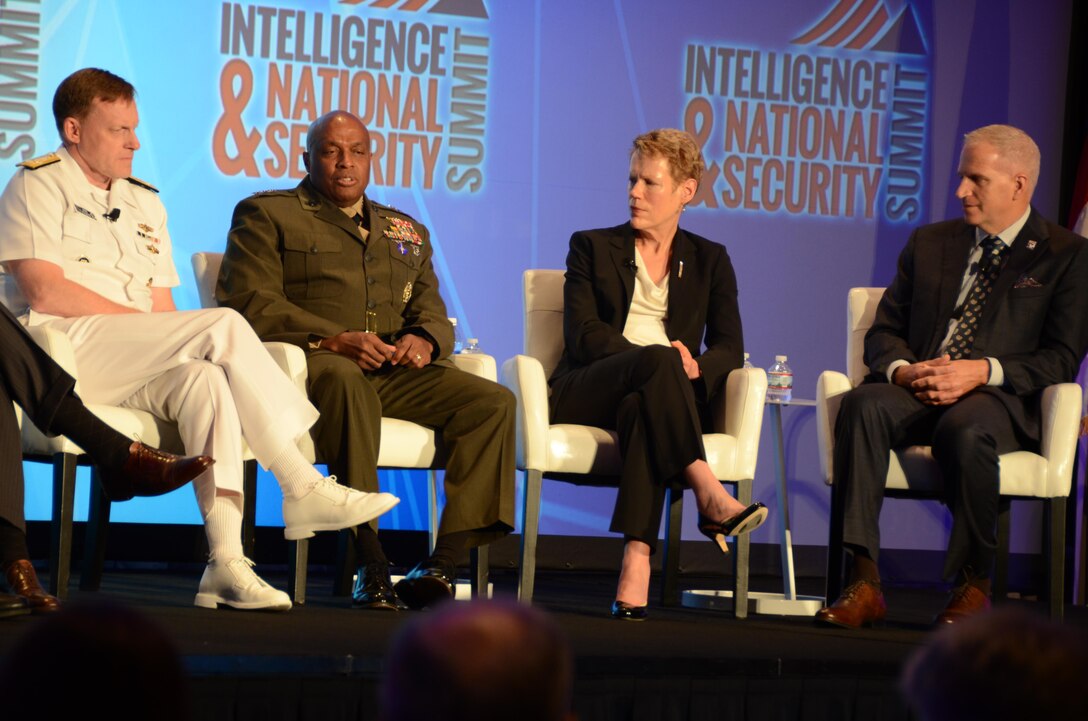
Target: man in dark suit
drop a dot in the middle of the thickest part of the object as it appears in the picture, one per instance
(983, 314)
(351, 282)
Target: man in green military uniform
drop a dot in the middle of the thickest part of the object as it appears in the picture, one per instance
(351, 282)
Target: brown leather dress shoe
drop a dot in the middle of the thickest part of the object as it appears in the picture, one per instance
(151, 472)
(23, 582)
(966, 601)
(861, 604)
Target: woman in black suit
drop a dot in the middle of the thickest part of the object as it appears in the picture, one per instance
(639, 300)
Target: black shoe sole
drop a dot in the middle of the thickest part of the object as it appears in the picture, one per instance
(423, 592)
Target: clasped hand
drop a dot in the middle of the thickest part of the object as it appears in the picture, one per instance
(371, 352)
(942, 381)
(691, 368)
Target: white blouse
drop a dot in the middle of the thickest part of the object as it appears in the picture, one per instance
(649, 308)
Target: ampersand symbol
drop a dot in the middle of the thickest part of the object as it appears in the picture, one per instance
(698, 119)
(231, 122)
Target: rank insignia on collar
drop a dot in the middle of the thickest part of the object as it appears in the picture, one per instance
(84, 211)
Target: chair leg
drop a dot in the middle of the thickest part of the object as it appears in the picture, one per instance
(60, 546)
(98, 523)
(833, 586)
(432, 510)
(1001, 562)
(670, 561)
(480, 569)
(249, 508)
(741, 551)
(1055, 567)
(530, 526)
(297, 558)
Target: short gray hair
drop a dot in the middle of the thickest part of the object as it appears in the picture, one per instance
(1013, 145)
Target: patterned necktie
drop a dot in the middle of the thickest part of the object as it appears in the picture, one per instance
(989, 265)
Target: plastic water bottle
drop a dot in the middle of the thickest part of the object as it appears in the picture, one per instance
(779, 380)
(458, 336)
(472, 345)
(747, 362)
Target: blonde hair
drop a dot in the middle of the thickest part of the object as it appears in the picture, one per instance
(678, 149)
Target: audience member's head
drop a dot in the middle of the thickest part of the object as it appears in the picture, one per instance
(482, 661)
(103, 657)
(1008, 664)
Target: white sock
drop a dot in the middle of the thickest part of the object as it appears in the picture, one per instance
(295, 474)
(223, 526)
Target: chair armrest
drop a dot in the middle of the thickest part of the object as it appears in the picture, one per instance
(1060, 425)
(829, 391)
(740, 414)
(478, 364)
(524, 376)
(57, 345)
(291, 360)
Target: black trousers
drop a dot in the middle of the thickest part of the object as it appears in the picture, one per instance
(29, 378)
(644, 395)
(966, 437)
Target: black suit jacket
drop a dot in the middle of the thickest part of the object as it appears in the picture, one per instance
(1034, 321)
(600, 282)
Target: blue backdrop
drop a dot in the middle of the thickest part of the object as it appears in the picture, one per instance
(831, 127)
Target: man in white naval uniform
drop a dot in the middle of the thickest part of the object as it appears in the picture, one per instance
(85, 249)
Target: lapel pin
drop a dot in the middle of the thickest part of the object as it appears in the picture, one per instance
(680, 273)
(1031, 245)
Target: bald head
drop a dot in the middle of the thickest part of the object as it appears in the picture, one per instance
(338, 157)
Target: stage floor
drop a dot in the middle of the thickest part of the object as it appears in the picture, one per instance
(681, 663)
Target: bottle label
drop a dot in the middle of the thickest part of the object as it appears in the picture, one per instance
(779, 380)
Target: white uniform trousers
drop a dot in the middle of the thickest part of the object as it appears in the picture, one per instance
(207, 371)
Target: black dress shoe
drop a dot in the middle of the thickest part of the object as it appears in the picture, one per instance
(746, 521)
(626, 612)
(429, 583)
(150, 472)
(12, 605)
(373, 588)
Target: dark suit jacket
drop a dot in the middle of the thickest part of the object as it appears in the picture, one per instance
(1035, 321)
(600, 282)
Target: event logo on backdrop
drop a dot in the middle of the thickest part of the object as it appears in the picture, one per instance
(832, 123)
(20, 26)
(415, 71)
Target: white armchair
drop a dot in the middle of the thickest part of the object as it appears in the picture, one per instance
(65, 456)
(565, 450)
(404, 444)
(1044, 476)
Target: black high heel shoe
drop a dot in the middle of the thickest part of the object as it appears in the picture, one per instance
(746, 521)
(626, 612)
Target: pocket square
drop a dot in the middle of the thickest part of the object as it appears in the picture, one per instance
(1026, 281)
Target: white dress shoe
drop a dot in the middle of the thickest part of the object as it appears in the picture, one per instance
(329, 506)
(233, 583)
